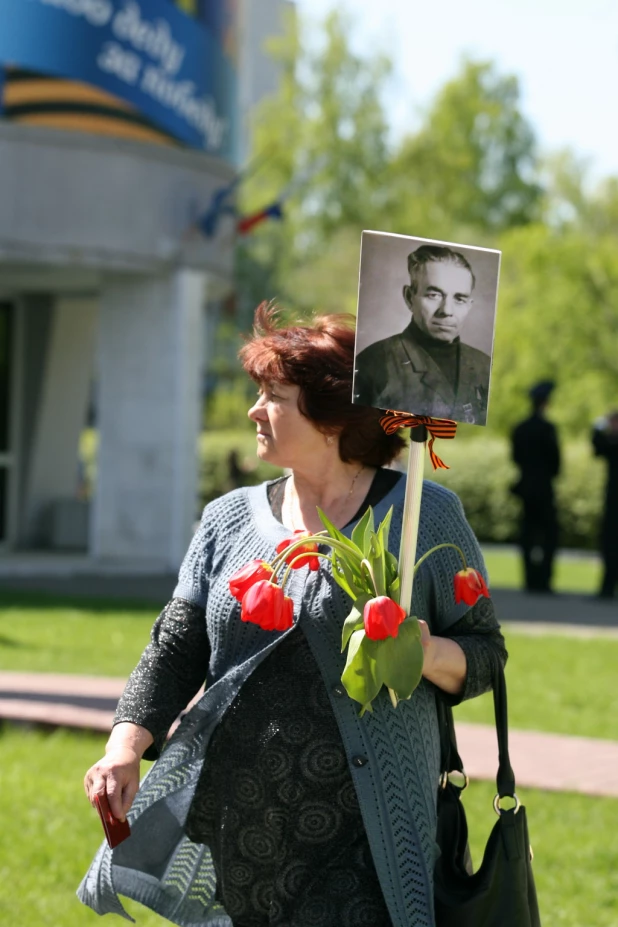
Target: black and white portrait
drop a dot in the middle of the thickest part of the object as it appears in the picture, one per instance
(425, 326)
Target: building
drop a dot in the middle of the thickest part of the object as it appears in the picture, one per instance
(119, 128)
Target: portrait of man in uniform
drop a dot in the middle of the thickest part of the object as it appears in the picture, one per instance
(429, 367)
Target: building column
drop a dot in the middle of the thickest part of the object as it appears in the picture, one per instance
(57, 373)
(149, 405)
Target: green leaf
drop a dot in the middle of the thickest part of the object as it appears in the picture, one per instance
(336, 535)
(400, 659)
(367, 578)
(392, 565)
(348, 578)
(393, 582)
(332, 530)
(384, 528)
(342, 575)
(361, 676)
(369, 530)
(393, 590)
(378, 564)
(358, 534)
(354, 621)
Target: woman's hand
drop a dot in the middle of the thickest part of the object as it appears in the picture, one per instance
(117, 773)
(444, 661)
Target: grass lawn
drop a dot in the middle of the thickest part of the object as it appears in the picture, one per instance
(575, 844)
(571, 573)
(560, 684)
(52, 635)
(50, 834)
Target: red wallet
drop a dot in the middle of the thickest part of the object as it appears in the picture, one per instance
(115, 831)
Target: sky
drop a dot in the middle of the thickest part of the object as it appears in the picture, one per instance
(564, 52)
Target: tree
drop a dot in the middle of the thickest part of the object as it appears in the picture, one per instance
(557, 319)
(472, 165)
(322, 142)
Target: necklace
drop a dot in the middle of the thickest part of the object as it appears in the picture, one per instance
(288, 502)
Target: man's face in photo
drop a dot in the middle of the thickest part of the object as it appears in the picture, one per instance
(442, 300)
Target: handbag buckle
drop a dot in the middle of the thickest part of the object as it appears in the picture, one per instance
(445, 778)
(499, 798)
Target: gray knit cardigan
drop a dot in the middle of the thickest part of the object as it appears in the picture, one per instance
(393, 753)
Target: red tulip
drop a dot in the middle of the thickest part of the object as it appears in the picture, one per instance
(295, 559)
(266, 605)
(382, 617)
(251, 573)
(469, 586)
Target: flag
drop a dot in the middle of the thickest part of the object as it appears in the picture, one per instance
(221, 204)
(247, 223)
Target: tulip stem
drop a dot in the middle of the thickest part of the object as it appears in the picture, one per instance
(285, 553)
(290, 567)
(321, 538)
(434, 549)
(393, 697)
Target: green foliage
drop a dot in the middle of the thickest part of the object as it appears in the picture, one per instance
(557, 319)
(322, 141)
(468, 173)
(481, 474)
(471, 165)
(220, 471)
(470, 169)
(361, 568)
(227, 407)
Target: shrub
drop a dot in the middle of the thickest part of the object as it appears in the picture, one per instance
(482, 472)
(227, 461)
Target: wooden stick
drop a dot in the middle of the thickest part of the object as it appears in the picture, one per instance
(411, 515)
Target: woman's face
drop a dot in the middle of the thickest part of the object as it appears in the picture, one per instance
(285, 437)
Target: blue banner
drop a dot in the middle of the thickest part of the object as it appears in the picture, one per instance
(170, 67)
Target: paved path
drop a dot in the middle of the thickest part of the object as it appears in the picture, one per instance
(545, 761)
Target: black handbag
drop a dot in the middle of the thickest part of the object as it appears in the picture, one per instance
(502, 892)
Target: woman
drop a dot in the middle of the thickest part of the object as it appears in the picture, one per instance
(274, 804)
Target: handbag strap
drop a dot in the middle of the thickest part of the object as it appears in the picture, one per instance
(450, 759)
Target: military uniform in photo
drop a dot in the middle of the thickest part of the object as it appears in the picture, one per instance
(444, 379)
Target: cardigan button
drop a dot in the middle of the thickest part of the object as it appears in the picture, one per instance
(338, 691)
(359, 761)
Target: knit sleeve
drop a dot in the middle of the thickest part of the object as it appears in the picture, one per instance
(170, 672)
(479, 636)
(193, 576)
(445, 522)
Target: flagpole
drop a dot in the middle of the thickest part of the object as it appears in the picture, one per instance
(411, 515)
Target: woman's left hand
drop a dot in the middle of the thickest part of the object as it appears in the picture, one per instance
(429, 647)
(444, 661)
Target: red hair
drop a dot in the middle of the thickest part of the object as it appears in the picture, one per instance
(319, 358)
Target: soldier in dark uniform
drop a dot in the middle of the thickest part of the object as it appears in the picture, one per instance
(605, 443)
(537, 454)
(426, 369)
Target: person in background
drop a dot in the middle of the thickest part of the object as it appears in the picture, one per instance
(536, 452)
(605, 444)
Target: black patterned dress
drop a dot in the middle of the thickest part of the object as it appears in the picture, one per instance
(276, 803)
